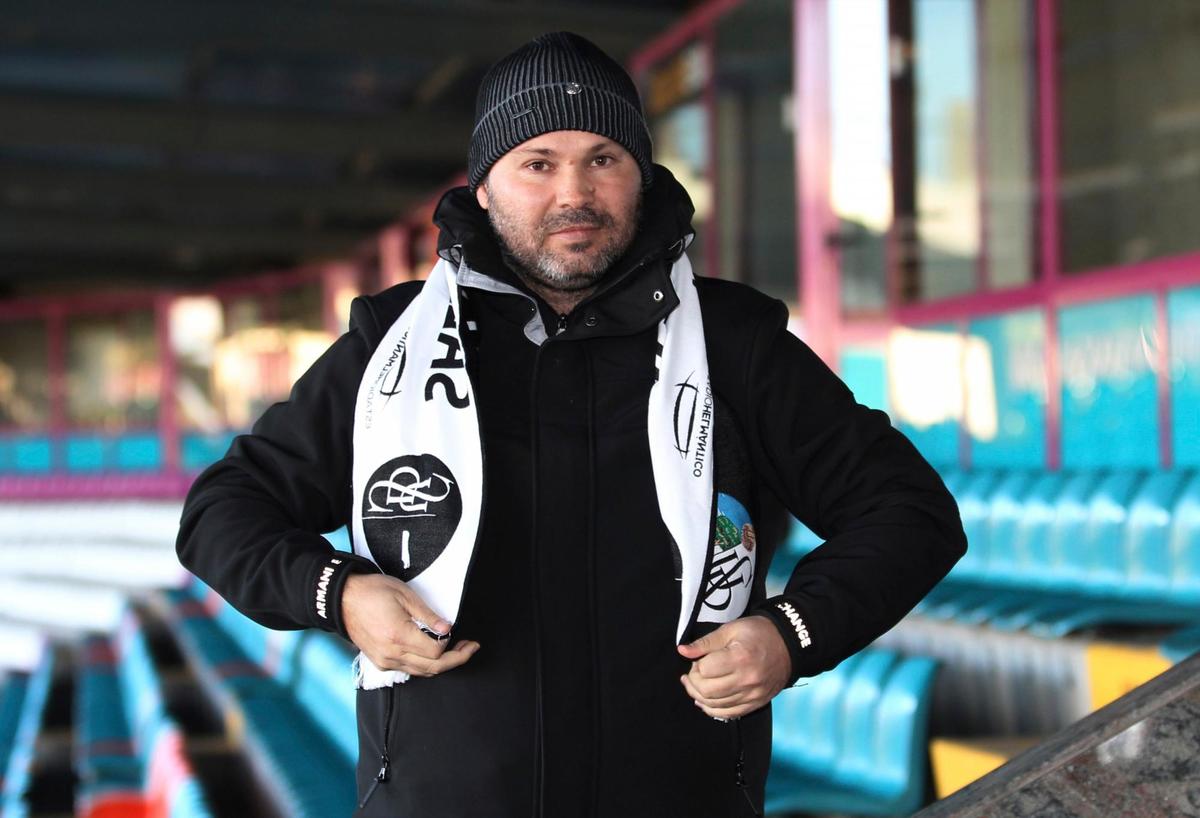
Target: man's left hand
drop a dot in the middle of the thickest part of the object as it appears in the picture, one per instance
(737, 668)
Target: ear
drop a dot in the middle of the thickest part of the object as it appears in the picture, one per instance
(481, 194)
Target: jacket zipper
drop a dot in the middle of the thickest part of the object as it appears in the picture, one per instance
(385, 763)
(538, 716)
(739, 769)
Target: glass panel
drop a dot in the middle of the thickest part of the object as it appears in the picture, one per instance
(197, 324)
(1109, 389)
(679, 128)
(1005, 378)
(947, 186)
(925, 388)
(300, 307)
(257, 360)
(24, 374)
(756, 162)
(1009, 157)
(1130, 131)
(861, 166)
(1183, 315)
(113, 371)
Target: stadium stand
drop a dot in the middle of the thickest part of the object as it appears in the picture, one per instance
(130, 754)
(22, 700)
(288, 695)
(853, 739)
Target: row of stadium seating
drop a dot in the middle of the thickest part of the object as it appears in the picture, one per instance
(1056, 552)
(854, 739)
(129, 753)
(22, 700)
(291, 692)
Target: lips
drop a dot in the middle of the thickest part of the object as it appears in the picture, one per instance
(575, 232)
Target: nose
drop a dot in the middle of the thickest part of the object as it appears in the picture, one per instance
(574, 187)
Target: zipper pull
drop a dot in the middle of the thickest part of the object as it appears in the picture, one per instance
(739, 770)
(380, 777)
(562, 324)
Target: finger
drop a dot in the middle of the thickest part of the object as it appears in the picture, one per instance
(731, 700)
(412, 640)
(455, 657)
(716, 664)
(716, 688)
(417, 609)
(727, 713)
(705, 644)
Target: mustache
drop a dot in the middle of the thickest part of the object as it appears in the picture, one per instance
(579, 217)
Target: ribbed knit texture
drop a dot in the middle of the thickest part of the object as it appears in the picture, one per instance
(557, 82)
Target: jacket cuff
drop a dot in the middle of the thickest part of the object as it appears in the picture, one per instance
(325, 587)
(794, 628)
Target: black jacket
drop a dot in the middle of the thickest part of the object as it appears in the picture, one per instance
(573, 705)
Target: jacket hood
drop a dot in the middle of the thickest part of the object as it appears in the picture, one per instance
(666, 222)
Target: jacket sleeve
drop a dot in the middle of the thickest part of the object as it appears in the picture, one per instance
(891, 528)
(252, 522)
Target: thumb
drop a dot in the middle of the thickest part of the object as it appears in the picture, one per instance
(418, 610)
(704, 645)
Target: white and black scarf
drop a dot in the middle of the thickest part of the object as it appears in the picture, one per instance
(418, 468)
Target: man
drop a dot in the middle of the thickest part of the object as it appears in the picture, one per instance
(551, 456)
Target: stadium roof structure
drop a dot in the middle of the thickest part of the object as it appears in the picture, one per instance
(201, 139)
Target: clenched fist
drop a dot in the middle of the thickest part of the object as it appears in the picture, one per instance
(381, 615)
(737, 668)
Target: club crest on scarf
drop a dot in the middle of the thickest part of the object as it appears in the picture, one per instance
(410, 510)
(693, 413)
(731, 572)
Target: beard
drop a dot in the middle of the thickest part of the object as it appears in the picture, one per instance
(577, 265)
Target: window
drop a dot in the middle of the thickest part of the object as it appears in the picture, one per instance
(24, 375)
(113, 371)
(679, 126)
(1129, 187)
(972, 196)
(756, 210)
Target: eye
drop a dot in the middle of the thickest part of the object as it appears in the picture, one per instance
(538, 165)
(603, 160)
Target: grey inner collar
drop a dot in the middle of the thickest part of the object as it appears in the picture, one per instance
(535, 330)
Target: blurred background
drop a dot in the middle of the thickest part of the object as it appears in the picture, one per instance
(983, 214)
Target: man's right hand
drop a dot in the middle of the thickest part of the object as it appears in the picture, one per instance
(378, 612)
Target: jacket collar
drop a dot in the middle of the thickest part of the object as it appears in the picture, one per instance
(624, 302)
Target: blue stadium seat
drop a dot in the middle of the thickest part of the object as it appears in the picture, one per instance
(974, 505)
(22, 701)
(1148, 539)
(1185, 544)
(129, 752)
(306, 752)
(854, 740)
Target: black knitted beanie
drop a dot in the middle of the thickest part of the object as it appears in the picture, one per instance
(557, 82)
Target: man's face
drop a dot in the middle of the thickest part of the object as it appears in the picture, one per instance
(565, 205)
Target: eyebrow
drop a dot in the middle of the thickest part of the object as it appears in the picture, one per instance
(551, 152)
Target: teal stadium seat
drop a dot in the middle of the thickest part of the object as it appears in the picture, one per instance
(853, 740)
(22, 702)
(1053, 553)
(282, 684)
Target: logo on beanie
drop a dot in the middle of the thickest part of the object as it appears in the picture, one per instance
(410, 510)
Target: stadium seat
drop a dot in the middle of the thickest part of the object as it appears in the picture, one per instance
(854, 739)
(129, 756)
(279, 686)
(22, 701)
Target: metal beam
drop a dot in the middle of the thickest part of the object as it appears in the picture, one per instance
(23, 233)
(480, 29)
(79, 186)
(62, 120)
